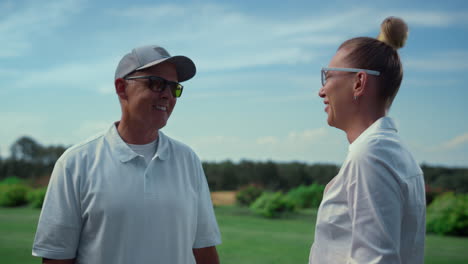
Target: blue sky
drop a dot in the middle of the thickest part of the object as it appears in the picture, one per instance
(255, 93)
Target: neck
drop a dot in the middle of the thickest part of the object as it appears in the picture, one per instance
(360, 124)
(136, 133)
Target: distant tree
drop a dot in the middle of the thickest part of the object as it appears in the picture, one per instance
(221, 176)
(29, 159)
(449, 179)
(2, 168)
(25, 149)
(49, 155)
(292, 174)
(273, 176)
(322, 173)
(269, 176)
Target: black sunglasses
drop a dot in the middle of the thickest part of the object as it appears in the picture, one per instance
(158, 84)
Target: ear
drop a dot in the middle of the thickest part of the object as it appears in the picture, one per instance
(120, 85)
(360, 84)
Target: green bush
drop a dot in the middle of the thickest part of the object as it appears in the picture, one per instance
(448, 215)
(11, 180)
(306, 196)
(36, 197)
(272, 204)
(13, 195)
(248, 194)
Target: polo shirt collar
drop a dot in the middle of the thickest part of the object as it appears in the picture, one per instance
(163, 147)
(125, 153)
(383, 123)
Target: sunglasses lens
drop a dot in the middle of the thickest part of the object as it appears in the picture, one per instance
(177, 90)
(157, 84)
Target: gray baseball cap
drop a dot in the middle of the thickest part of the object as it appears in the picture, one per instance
(147, 56)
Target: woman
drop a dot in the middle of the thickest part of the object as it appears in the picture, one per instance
(373, 211)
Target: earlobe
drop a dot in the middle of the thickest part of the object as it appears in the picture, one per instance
(120, 85)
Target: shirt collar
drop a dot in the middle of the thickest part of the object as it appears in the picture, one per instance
(383, 123)
(125, 153)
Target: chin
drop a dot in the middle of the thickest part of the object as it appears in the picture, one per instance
(161, 125)
(330, 122)
(158, 124)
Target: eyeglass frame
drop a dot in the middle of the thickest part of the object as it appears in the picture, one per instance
(355, 70)
(150, 78)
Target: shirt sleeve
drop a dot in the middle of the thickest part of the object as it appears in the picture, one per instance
(207, 233)
(59, 224)
(375, 207)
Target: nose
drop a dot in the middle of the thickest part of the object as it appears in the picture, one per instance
(321, 92)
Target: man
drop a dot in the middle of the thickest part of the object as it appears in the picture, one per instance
(132, 194)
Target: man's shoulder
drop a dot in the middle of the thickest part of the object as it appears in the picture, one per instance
(83, 148)
(178, 147)
(176, 144)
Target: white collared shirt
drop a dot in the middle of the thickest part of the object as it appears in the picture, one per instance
(374, 210)
(104, 204)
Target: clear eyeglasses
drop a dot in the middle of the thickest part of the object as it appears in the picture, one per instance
(325, 70)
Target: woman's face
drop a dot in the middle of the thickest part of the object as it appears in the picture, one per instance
(337, 93)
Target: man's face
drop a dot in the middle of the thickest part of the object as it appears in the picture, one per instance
(146, 107)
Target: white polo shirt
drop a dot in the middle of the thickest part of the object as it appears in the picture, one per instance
(374, 210)
(105, 205)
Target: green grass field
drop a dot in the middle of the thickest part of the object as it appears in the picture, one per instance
(246, 238)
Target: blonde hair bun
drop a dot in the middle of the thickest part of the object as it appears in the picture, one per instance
(394, 32)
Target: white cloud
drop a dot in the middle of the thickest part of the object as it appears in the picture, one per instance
(306, 136)
(228, 39)
(19, 26)
(37, 126)
(313, 40)
(105, 88)
(228, 46)
(9, 72)
(441, 61)
(90, 128)
(425, 83)
(448, 146)
(17, 124)
(149, 12)
(256, 86)
(310, 145)
(254, 58)
(268, 140)
(87, 76)
(432, 18)
(451, 152)
(218, 140)
(455, 142)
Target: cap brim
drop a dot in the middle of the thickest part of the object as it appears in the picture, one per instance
(184, 66)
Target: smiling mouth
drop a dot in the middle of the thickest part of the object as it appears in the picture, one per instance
(160, 108)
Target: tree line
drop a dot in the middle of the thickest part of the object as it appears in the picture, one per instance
(31, 160)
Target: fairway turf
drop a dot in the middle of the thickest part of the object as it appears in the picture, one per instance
(251, 239)
(17, 228)
(246, 238)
